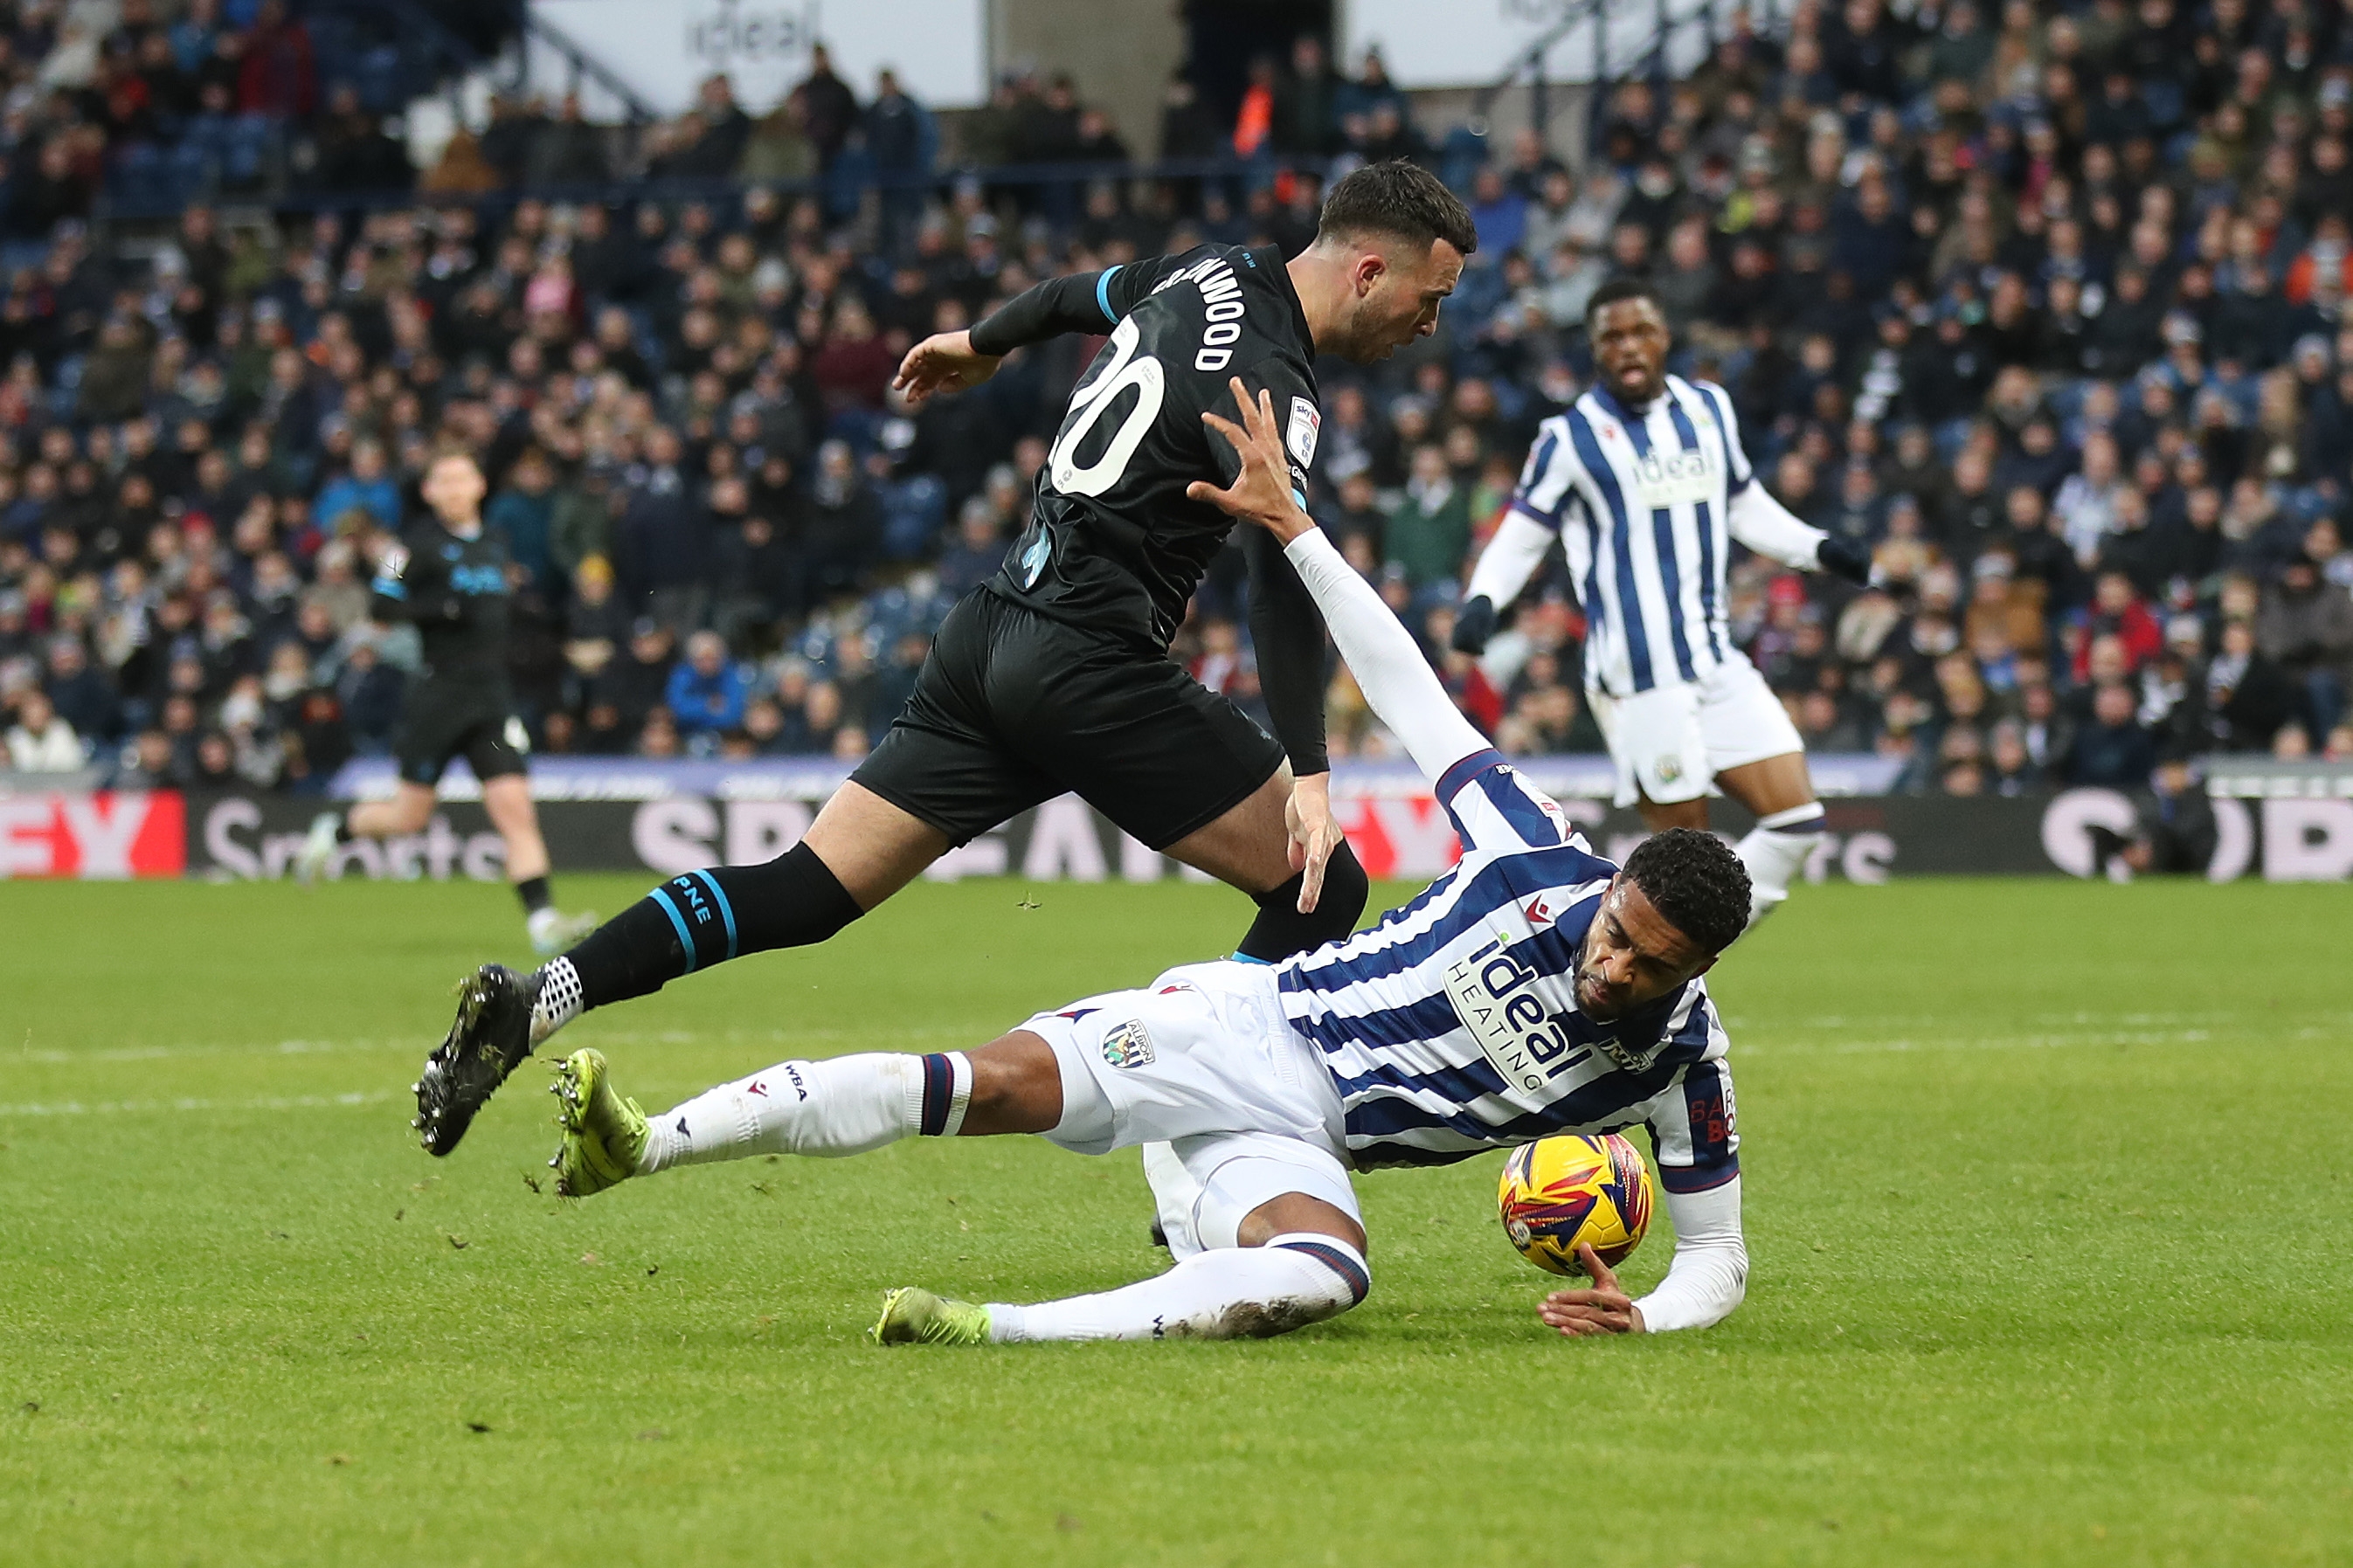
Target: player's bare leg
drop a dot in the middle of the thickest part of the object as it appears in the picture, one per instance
(409, 810)
(872, 847)
(1780, 791)
(1250, 848)
(506, 799)
(507, 802)
(1658, 817)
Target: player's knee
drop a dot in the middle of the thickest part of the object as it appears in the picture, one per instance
(1016, 1087)
(1292, 1214)
(1332, 1277)
(1281, 930)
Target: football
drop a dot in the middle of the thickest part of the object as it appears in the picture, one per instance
(1557, 1191)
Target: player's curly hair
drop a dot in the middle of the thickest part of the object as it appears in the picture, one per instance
(1696, 881)
(1401, 199)
(1622, 288)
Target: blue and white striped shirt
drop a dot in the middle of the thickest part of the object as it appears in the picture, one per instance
(1452, 1027)
(1642, 505)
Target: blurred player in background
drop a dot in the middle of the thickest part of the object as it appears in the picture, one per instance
(449, 578)
(1644, 484)
(1533, 989)
(1055, 675)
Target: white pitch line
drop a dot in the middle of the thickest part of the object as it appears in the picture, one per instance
(173, 1053)
(136, 1106)
(788, 1039)
(1984, 1042)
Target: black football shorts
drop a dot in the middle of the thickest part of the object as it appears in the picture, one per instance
(449, 718)
(1013, 709)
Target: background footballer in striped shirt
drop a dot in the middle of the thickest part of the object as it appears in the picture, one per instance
(1644, 483)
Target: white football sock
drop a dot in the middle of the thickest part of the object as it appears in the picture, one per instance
(558, 1003)
(1233, 1293)
(1775, 851)
(847, 1105)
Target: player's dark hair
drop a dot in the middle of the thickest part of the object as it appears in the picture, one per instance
(1619, 289)
(1694, 882)
(1401, 200)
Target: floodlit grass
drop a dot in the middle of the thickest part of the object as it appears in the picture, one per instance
(2048, 1191)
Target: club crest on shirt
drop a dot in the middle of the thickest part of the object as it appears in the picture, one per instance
(1033, 559)
(1668, 768)
(1129, 1046)
(1628, 1058)
(1306, 424)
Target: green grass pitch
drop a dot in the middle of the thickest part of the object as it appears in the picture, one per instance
(2048, 1197)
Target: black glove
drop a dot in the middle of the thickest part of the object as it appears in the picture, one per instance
(1844, 558)
(1474, 623)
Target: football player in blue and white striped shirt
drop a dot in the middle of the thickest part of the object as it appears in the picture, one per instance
(1533, 989)
(1644, 483)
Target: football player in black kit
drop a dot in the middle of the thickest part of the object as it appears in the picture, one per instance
(1055, 676)
(449, 578)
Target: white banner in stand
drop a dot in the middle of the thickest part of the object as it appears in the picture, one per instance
(1470, 43)
(665, 49)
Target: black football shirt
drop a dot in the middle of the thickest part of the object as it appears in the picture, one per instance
(454, 591)
(1113, 543)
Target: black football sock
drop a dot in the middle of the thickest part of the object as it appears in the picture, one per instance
(703, 917)
(1281, 930)
(533, 891)
(344, 833)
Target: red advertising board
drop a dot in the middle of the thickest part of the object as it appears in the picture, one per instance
(60, 833)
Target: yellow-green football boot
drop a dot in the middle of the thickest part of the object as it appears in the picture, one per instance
(603, 1135)
(914, 1317)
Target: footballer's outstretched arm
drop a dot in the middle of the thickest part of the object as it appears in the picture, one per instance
(1769, 528)
(1082, 302)
(1510, 558)
(1757, 520)
(1396, 681)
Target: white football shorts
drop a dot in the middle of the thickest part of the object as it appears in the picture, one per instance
(1232, 1106)
(1670, 742)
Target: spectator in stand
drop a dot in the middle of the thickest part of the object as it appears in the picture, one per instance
(2111, 750)
(2306, 629)
(1306, 110)
(278, 79)
(41, 742)
(828, 108)
(899, 137)
(366, 488)
(978, 551)
(1427, 533)
(2094, 286)
(707, 691)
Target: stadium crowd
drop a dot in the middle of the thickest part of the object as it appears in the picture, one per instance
(2042, 303)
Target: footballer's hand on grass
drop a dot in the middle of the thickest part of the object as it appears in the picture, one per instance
(944, 361)
(1603, 1308)
(1260, 493)
(1314, 833)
